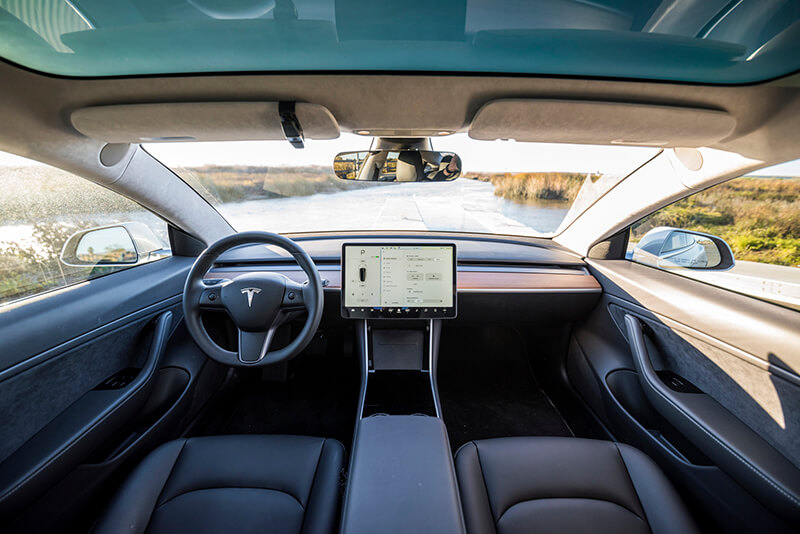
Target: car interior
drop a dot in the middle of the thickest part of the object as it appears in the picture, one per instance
(399, 377)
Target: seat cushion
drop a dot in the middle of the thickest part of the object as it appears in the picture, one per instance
(540, 484)
(276, 484)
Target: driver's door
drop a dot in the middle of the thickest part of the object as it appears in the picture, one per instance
(95, 368)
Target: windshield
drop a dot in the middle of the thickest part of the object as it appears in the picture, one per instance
(528, 189)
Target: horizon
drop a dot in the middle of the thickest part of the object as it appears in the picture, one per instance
(477, 156)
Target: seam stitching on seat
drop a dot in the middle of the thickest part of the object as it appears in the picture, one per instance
(485, 487)
(313, 481)
(230, 487)
(574, 498)
(166, 480)
(630, 478)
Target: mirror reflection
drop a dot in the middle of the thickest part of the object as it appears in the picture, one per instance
(682, 249)
(397, 166)
(670, 248)
(106, 246)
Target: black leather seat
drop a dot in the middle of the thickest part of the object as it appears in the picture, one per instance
(511, 485)
(232, 484)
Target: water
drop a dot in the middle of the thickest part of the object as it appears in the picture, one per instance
(21, 232)
(461, 206)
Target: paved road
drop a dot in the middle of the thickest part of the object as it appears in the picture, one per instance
(464, 205)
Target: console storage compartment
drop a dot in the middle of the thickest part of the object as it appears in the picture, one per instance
(399, 393)
(399, 368)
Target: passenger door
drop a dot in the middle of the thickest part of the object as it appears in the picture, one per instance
(92, 370)
(701, 369)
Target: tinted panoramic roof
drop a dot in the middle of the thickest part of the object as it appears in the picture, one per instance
(707, 41)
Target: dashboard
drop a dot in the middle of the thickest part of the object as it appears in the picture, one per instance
(494, 279)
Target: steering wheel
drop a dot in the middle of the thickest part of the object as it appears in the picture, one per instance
(257, 302)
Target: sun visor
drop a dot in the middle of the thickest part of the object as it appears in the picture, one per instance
(600, 123)
(199, 121)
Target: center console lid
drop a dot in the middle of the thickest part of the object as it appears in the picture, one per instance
(402, 478)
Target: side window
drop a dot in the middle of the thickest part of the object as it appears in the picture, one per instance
(57, 229)
(742, 235)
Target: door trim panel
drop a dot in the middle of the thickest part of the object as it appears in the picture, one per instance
(677, 326)
(65, 347)
(727, 441)
(717, 312)
(61, 445)
(740, 351)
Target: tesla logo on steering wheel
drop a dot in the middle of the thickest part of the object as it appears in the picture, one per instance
(250, 291)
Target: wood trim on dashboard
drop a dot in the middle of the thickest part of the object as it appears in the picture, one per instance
(473, 280)
(525, 281)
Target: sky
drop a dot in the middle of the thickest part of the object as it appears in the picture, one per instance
(495, 156)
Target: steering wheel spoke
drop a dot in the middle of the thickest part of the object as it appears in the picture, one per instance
(253, 346)
(293, 296)
(211, 298)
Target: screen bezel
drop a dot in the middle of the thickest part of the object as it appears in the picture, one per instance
(391, 313)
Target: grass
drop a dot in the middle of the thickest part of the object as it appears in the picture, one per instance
(222, 184)
(533, 186)
(758, 217)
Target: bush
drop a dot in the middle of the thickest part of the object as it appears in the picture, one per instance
(534, 186)
(758, 217)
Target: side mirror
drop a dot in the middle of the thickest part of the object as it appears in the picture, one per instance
(129, 243)
(672, 248)
(397, 166)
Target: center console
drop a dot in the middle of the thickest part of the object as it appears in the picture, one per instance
(401, 468)
(401, 478)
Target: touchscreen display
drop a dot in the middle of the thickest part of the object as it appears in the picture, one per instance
(398, 281)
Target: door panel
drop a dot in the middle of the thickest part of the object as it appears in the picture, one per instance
(65, 427)
(764, 400)
(765, 331)
(730, 403)
(712, 428)
(86, 423)
(77, 337)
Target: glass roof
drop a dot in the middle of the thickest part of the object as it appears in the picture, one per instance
(707, 41)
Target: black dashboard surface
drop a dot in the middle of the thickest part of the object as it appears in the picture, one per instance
(502, 279)
(472, 249)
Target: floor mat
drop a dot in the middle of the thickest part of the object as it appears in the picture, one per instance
(487, 389)
(320, 399)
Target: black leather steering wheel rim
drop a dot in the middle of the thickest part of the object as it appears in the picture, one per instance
(198, 296)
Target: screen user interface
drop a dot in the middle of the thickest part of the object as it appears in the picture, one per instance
(415, 277)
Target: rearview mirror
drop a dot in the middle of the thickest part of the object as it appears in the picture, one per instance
(127, 243)
(672, 248)
(397, 166)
